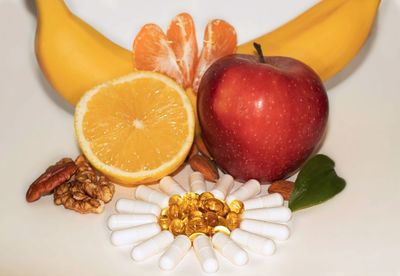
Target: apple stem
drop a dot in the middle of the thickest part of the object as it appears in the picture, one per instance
(259, 52)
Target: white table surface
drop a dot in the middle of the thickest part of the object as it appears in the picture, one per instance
(356, 233)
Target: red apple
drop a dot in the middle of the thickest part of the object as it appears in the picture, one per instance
(261, 117)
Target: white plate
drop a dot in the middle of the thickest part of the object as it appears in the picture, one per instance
(356, 233)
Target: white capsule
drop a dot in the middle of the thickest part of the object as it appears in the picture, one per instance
(271, 200)
(229, 249)
(274, 214)
(153, 196)
(121, 221)
(223, 186)
(136, 206)
(205, 253)
(134, 234)
(253, 242)
(169, 186)
(175, 253)
(197, 183)
(246, 191)
(267, 229)
(152, 246)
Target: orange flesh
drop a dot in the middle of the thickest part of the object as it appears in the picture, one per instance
(130, 121)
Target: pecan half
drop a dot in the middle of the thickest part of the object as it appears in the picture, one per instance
(54, 176)
(283, 187)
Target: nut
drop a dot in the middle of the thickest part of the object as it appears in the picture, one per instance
(85, 193)
(199, 142)
(204, 165)
(283, 187)
(70, 195)
(54, 176)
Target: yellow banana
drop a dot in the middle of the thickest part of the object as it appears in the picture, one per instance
(73, 56)
(326, 37)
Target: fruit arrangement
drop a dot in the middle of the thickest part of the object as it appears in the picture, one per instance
(227, 110)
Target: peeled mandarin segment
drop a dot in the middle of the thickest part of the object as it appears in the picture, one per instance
(138, 128)
(182, 36)
(219, 41)
(152, 52)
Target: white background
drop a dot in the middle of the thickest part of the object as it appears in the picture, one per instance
(356, 233)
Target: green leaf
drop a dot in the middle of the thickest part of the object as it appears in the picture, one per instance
(316, 183)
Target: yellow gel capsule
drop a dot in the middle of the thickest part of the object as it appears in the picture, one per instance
(193, 236)
(189, 230)
(164, 221)
(191, 196)
(164, 212)
(206, 195)
(232, 220)
(221, 221)
(175, 199)
(195, 213)
(224, 211)
(173, 211)
(177, 227)
(222, 229)
(196, 223)
(214, 205)
(237, 206)
(211, 218)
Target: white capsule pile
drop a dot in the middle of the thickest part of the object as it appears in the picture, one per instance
(137, 223)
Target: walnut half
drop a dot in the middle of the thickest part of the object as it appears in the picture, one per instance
(86, 192)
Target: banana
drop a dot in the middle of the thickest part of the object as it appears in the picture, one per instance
(73, 56)
(326, 37)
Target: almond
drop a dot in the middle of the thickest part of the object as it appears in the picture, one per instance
(202, 147)
(204, 165)
(283, 187)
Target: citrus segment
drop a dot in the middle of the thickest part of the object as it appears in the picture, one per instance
(182, 35)
(152, 52)
(135, 129)
(219, 41)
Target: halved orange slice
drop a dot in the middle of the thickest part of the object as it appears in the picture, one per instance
(135, 129)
